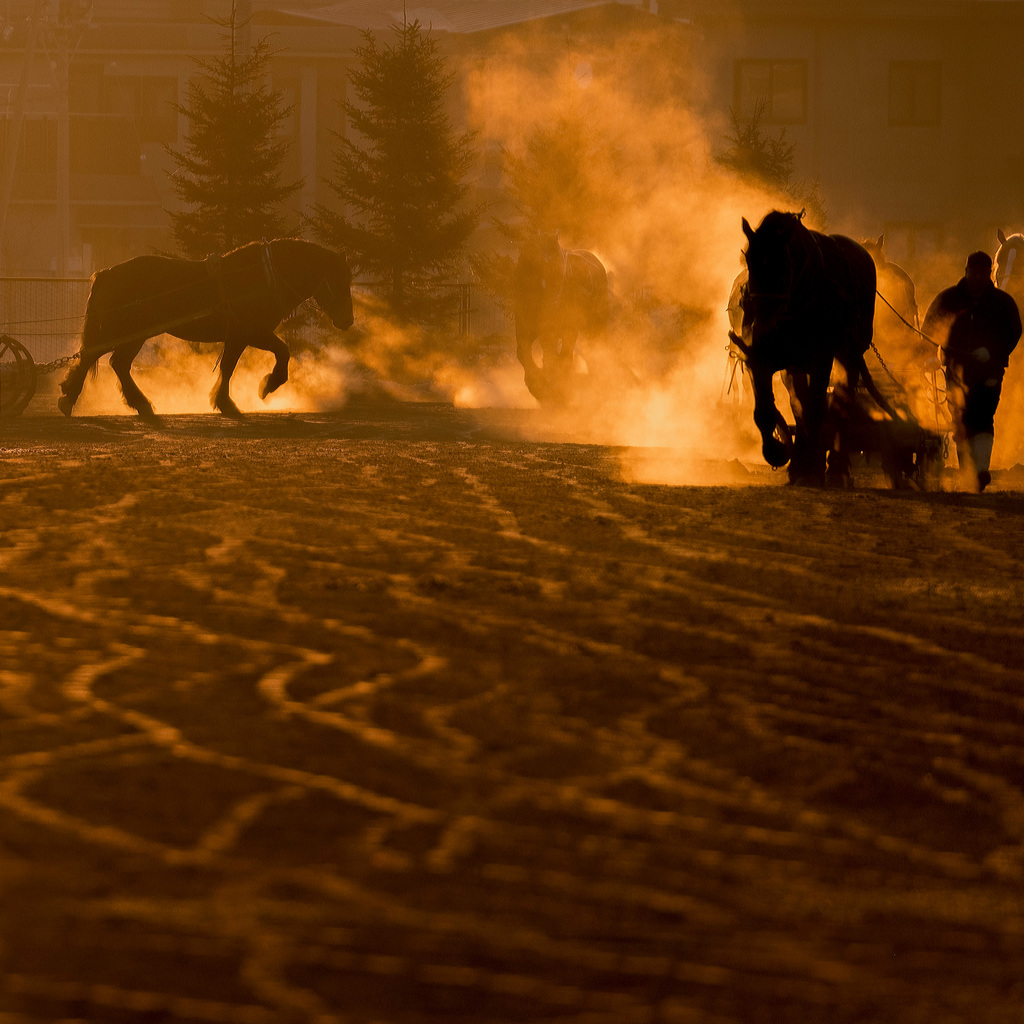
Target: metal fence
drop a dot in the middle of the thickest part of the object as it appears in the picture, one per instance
(44, 313)
(466, 308)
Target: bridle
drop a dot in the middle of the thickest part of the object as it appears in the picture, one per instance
(328, 290)
(792, 286)
(274, 281)
(281, 288)
(1005, 276)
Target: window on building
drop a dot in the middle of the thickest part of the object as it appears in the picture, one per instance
(85, 88)
(330, 124)
(39, 145)
(290, 128)
(915, 92)
(148, 101)
(780, 86)
(158, 116)
(103, 144)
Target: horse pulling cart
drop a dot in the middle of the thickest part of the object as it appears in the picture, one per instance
(236, 300)
(909, 453)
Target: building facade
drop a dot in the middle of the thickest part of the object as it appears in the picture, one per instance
(909, 115)
(125, 67)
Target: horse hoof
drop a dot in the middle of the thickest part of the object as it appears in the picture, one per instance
(269, 385)
(774, 452)
(65, 403)
(807, 480)
(231, 411)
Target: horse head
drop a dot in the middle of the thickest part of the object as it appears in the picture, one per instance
(876, 249)
(333, 290)
(541, 266)
(1007, 260)
(777, 254)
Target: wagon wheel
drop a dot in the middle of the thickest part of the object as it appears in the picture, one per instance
(17, 377)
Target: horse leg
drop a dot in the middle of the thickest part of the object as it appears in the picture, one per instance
(838, 417)
(562, 362)
(814, 400)
(121, 360)
(532, 374)
(766, 417)
(801, 462)
(74, 380)
(273, 380)
(220, 396)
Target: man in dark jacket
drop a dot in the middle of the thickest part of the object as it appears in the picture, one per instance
(977, 327)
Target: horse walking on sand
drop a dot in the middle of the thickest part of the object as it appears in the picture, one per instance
(809, 303)
(558, 294)
(235, 300)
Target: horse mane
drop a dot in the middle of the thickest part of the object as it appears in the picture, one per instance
(1014, 241)
(781, 224)
(267, 241)
(782, 219)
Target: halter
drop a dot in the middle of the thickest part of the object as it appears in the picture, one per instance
(1011, 256)
(782, 295)
(273, 279)
(332, 295)
(796, 279)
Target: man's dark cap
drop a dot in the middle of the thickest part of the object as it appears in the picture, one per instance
(980, 260)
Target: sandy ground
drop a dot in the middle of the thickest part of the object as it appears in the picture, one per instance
(394, 716)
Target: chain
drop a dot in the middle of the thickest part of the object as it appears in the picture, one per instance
(931, 341)
(57, 364)
(892, 376)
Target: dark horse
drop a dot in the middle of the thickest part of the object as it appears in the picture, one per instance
(235, 300)
(810, 302)
(558, 294)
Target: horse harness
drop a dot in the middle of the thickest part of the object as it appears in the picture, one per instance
(270, 283)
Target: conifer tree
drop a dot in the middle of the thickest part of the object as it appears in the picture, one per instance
(753, 153)
(228, 174)
(769, 161)
(568, 176)
(402, 184)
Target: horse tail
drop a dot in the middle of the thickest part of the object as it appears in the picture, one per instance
(92, 325)
(873, 391)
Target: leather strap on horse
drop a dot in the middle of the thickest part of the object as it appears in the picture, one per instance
(931, 341)
(215, 269)
(267, 262)
(274, 282)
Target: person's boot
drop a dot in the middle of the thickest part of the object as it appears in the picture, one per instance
(965, 462)
(981, 452)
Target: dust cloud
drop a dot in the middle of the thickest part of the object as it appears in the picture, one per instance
(178, 379)
(665, 221)
(663, 216)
